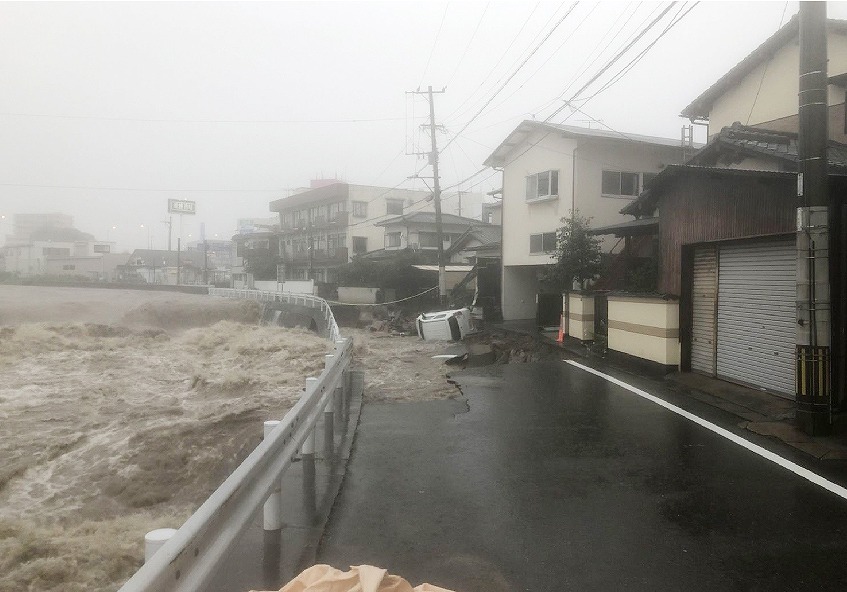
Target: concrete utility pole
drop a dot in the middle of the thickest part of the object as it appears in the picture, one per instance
(436, 197)
(436, 193)
(814, 365)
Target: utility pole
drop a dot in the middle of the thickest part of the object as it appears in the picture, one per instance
(436, 192)
(178, 252)
(814, 343)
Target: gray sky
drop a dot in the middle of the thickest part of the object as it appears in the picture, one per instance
(109, 109)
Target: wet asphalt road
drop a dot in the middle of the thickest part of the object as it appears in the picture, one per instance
(550, 478)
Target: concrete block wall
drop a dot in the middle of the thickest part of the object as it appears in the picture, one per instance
(645, 327)
(580, 309)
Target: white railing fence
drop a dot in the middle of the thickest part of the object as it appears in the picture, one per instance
(306, 300)
(189, 558)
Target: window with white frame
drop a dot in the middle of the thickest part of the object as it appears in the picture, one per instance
(623, 183)
(394, 207)
(542, 185)
(542, 243)
(360, 209)
(392, 239)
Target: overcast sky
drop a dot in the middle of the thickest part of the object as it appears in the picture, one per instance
(109, 109)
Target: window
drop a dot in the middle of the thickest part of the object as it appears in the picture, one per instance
(542, 185)
(623, 183)
(101, 248)
(69, 267)
(336, 241)
(542, 243)
(394, 207)
(392, 239)
(360, 209)
(428, 240)
(334, 209)
(360, 244)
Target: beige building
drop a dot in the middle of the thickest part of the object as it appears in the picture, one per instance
(548, 171)
(324, 227)
(762, 89)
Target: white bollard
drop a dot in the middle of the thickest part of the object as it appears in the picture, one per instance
(273, 505)
(154, 540)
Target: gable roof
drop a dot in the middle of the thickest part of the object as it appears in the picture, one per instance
(702, 105)
(488, 235)
(429, 218)
(753, 141)
(520, 134)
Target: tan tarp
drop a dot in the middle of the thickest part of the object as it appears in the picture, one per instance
(361, 578)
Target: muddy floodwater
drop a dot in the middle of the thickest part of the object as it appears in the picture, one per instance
(122, 410)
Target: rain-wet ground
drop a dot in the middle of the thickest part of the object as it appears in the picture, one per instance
(546, 477)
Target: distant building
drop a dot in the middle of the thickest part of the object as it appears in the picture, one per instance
(31, 250)
(153, 266)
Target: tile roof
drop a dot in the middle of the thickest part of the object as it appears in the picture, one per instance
(753, 141)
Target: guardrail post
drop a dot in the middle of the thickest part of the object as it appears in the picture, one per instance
(273, 505)
(329, 417)
(154, 540)
(338, 401)
(307, 453)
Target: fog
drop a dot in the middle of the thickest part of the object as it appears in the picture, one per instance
(109, 109)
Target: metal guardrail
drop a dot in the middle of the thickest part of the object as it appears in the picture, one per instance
(188, 560)
(291, 298)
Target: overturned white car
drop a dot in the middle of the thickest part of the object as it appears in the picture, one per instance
(445, 325)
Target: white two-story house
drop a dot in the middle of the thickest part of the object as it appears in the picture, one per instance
(549, 170)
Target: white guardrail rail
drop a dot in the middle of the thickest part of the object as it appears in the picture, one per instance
(288, 297)
(188, 559)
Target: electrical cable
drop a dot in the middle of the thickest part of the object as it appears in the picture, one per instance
(765, 70)
(611, 62)
(491, 71)
(434, 43)
(384, 303)
(513, 74)
(470, 41)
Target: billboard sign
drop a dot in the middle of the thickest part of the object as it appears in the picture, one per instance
(181, 206)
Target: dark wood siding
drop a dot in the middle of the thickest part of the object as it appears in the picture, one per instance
(700, 207)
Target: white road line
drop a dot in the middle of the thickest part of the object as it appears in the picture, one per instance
(784, 463)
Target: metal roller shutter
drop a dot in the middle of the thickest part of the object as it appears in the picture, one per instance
(704, 293)
(757, 314)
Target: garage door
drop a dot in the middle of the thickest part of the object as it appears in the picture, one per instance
(757, 314)
(703, 296)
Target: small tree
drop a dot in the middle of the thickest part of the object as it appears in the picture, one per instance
(577, 254)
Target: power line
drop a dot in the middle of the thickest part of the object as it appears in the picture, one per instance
(632, 63)
(513, 74)
(491, 71)
(611, 62)
(551, 56)
(765, 70)
(470, 41)
(595, 53)
(434, 43)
